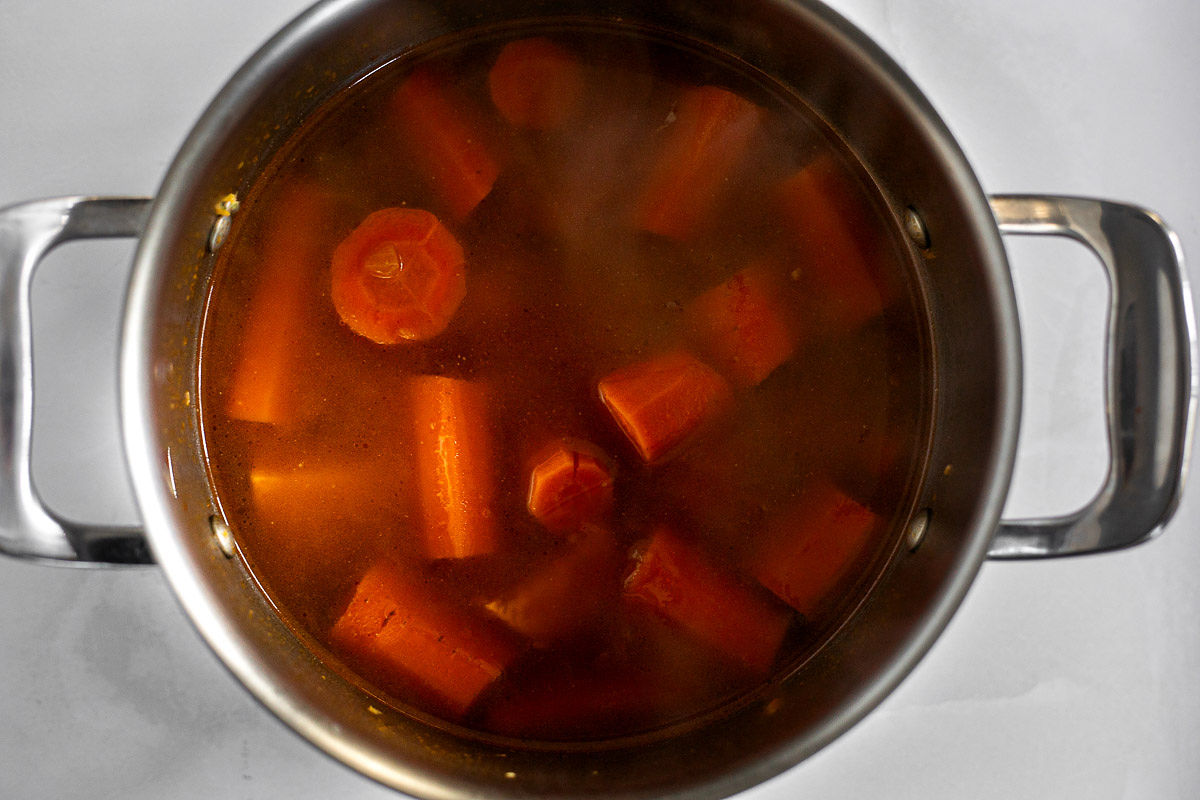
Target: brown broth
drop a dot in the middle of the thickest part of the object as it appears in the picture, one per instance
(318, 480)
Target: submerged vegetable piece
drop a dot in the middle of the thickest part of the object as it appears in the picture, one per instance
(832, 224)
(306, 497)
(398, 629)
(711, 131)
(262, 388)
(807, 552)
(446, 144)
(570, 484)
(568, 706)
(662, 402)
(743, 325)
(310, 517)
(398, 276)
(674, 579)
(454, 467)
(536, 83)
(568, 593)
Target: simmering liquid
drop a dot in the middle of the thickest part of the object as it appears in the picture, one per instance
(564, 386)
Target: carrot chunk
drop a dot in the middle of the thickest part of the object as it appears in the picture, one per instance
(570, 485)
(830, 223)
(675, 580)
(811, 549)
(743, 326)
(454, 467)
(398, 630)
(566, 594)
(398, 276)
(262, 385)
(460, 167)
(711, 132)
(536, 84)
(663, 402)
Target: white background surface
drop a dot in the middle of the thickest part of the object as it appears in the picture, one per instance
(1068, 679)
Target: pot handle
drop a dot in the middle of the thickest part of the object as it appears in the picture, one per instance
(1151, 381)
(28, 231)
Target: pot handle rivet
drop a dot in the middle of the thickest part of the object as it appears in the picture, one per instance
(225, 208)
(917, 528)
(914, 226)
(223, 534)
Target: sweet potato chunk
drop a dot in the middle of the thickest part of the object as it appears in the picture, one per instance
(830, 221)
(454, 466)
(743, 325)
(397, 629)
(676, 580)
(566, 594)
(308, 517)
(808, 551)
(662, 402)
(710, 134)
(460, 167)
(570, 484)
(261, 388)
(309, 496)
(536, 84)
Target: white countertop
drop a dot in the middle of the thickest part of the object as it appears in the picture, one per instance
(1063, 679)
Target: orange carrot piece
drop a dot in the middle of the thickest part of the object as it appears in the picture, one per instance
(829, 221)
(663, 402)
(398, 630)
(711, 132)
(398, 276)
(568, 593)
(454, 467)
(743, 325)
(460, 167)
(675, 580)
(536, 84)
(571, 483)
(261, 388)
(811, 549)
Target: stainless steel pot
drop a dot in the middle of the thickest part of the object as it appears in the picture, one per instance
(954, 230)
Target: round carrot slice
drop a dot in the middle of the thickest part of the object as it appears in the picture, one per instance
(536, 84)
(398, 276)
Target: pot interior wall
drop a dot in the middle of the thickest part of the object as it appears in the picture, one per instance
(964, 285)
